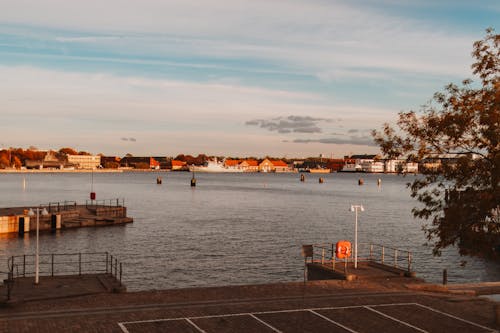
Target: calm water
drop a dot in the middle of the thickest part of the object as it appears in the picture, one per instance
(231, 228)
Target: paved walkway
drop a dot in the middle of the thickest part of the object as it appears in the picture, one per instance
(320, 306)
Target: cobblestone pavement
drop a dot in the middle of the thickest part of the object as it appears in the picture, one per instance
(333, 306)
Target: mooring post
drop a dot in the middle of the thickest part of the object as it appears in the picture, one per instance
(106, 262)
(409, 261)
(120, 274)
(52, 265)
(445, 277)
(79, 263)
(24, 265)
(323, 256)
(371, 252)
(396, 258)
(383, 254)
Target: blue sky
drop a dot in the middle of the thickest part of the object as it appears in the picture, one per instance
(284, 78)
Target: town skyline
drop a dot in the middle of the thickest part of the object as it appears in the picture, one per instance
(277, 78)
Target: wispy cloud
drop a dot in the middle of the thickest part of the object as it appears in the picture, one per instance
(290, 124)
(352, 140)
(228, 73)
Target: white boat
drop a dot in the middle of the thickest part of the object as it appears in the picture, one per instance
(351, 168)
(213, 166)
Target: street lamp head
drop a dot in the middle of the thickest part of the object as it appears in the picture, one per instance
(31, 212)
(44, 212)
(356, 207)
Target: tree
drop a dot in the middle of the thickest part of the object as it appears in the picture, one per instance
(68, 151)
(460, 197)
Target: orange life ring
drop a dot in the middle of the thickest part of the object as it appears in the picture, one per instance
(343, 249)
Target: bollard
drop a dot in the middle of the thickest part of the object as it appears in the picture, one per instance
(445, 277)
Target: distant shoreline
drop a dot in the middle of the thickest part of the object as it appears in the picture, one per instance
(63, 171)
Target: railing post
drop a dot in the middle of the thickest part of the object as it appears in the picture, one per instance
(24, 265)
(52, 266)
(323, 256)
(371, 252)
(116, 266)
(383, 250)
(106, 262)
(79, 263)
(396, 258)
(120, 274)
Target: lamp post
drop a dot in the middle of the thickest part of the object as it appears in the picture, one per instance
(355, 208)
(37, 262)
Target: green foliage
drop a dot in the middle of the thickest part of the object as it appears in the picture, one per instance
(460, 197)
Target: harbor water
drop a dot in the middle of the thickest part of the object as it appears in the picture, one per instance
(231, 228)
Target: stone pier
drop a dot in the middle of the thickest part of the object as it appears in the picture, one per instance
(18, 220)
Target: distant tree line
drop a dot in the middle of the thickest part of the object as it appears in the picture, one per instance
(17, 157)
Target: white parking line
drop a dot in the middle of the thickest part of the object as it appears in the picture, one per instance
(195, 326)
(124, 329)
(254, 315)
(457, 318)
(268, 325)
(395, 319)
(332, 321)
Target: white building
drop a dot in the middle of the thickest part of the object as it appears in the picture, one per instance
(85, 161)
(372, 166)
(395, 166)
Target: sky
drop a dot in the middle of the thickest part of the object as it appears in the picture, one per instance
(285, 78)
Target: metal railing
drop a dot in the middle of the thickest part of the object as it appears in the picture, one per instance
(391, 256)
(105, 203)
(54, 264)
(385, 255)
(55, 207)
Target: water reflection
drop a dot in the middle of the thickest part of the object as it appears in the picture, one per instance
(231, 228)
